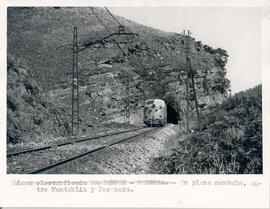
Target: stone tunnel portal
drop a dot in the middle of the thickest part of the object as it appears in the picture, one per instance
(172, 115)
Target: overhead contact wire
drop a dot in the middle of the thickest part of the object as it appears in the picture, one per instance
(113, 16)
(125, 37)
(108, 31)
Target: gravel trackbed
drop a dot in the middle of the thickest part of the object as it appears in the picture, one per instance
(131, 157)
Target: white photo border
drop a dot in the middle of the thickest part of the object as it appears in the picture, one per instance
(172, 196)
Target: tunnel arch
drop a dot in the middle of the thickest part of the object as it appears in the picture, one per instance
(172, 114)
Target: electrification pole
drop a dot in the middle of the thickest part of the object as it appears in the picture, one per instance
(190, 75)
(187, 80)
(75, 86)
(127, 100)
(75, 72)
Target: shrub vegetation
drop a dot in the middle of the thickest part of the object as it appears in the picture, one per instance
(228, 141)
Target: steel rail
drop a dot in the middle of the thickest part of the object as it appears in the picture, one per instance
(71, 142)
(85, 153)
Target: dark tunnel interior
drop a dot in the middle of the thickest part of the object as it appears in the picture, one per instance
(172, 115)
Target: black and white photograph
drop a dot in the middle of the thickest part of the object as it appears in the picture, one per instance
(98, 90)
(141, 104)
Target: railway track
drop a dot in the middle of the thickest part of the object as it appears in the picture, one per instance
(110, 140)
(82, 139)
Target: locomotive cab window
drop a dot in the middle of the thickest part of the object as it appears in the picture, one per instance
(155, 112)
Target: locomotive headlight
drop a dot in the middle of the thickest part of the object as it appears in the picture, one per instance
(153, 106)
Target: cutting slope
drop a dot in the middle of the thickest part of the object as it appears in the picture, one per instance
(41, 37)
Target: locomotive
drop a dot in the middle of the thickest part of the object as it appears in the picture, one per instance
(155, 112)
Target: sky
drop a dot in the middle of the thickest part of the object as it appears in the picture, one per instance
(235, 29)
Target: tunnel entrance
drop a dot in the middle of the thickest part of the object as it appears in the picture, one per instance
(172, 115)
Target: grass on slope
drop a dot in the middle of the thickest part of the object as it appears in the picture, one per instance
(42, 37)
(229, 140)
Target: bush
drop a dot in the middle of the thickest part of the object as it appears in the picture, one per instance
(228, 141)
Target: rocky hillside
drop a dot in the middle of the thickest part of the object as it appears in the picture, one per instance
(30, 114)
(154, 62)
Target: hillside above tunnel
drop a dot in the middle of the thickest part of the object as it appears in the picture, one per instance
(154, 63)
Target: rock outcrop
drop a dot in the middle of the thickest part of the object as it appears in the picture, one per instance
(30, 114)
(154, 63)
